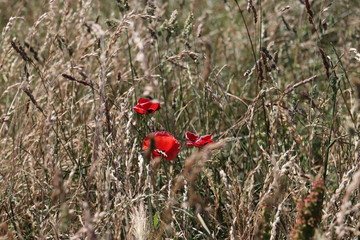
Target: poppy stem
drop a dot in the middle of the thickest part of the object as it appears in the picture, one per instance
(163, 86)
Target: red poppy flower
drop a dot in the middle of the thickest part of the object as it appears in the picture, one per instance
(165, 145)
(194, 140)
(146, 106)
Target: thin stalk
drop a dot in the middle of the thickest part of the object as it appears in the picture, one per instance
(133, 71)
(248, 33)
(165, 96)
(335, 88)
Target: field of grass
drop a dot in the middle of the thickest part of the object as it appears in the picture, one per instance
(276, 83)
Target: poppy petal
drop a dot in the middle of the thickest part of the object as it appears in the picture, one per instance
(153, 107)
(173, 152)
(165, 145)
(205, 138)
(203, 143)
(146, 143)
(190, 143)
(191, 136)
(139, 109)
(146, 106)
(199, 142)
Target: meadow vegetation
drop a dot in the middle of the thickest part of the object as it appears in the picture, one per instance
(276, 83)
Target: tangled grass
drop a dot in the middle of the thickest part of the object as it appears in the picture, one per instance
(275, 82)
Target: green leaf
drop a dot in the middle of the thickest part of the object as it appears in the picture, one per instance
(156, 220)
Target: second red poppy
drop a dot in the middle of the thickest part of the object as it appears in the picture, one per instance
(194, 140)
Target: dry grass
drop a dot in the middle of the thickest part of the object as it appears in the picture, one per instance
(276, 82)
